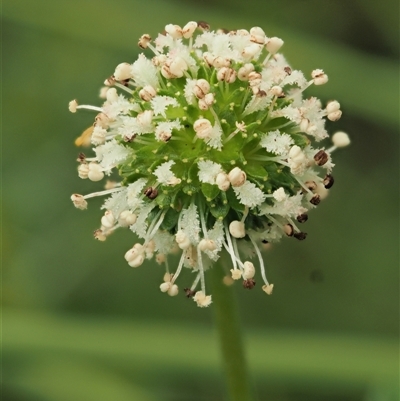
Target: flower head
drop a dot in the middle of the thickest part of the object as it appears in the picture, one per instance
(216, 150)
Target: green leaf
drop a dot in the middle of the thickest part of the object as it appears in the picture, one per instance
(210, 191)
(256, 171)
(170, 220)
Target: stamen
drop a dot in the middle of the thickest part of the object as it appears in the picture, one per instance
(101, 193)
(89, 107)
(261, 261)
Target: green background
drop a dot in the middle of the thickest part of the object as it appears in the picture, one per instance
(80, 324)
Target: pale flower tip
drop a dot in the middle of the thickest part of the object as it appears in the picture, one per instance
(274, 44)
(236, 274)
(268, 288)
(72, 106)
(237, 177)
(319, 77)
(164, 287)
(237, 229)
(173, 291)
(99, 235)
(79, 201)
(340, 139)
(228, 281)
(248, 270)
(123, 72)
(202, 299)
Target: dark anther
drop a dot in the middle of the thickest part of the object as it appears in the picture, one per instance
(249, 283)
(129, 138)
(315, 200)
(189, 293)
(203, 25)
(321, 157)
(151, 192)
(288, 70)
(300, 236)
(125, 82)
(328, 181)
(302, 218)
(264, 241)
(81, 158)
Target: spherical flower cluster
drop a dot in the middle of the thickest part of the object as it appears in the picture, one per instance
(216, 149)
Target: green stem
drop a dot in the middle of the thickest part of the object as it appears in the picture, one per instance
(230, 336)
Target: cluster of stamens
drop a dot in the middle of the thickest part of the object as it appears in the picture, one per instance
(213, 145)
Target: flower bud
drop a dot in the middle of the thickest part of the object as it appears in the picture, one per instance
(173, 291)
(188, 29)
(207, 245)
(237, 177)
(274, 44)
(226, 74)
(135, 255)
(203, 128)
(127, 218)
(83, 171)
(201, 88)
(182, 240)
(334, 116)
(174, 30)
(332, 106)
(108, 219)
(123, 72)
(319, 77)
(178, 66)
(164, 287)
(243, 73)
(222, 181)
(248, 270)
(237, 230)
(257, 35)
(147, 93)
(95, 172)
(340, 139)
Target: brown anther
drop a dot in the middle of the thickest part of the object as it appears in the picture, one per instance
(81, 158)
(129, 138)
(151, 192)
(203, 25)
(264, 241)
(110, 81)
(99, 235)
(300, 235)
(311, 185)
(302, 218)
(189, 293)
(328, 181)
(249, 283)
(315, 200)
(144, 40)
(261, 93)
(288, 229)
(288, 70)
(321, 157)
(125, 82)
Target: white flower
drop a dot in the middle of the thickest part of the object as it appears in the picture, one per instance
(214, 147)
(276, 142)
(165, 175)
(208, 171)
(161, 103)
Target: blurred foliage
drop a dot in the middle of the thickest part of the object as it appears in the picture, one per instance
(79, 324)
